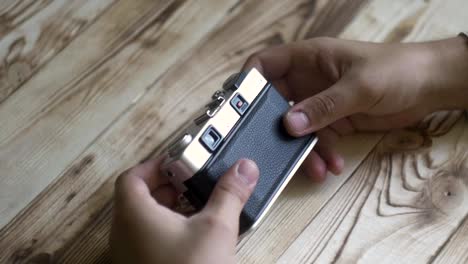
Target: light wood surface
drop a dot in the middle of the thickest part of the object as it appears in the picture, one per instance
(90, 88)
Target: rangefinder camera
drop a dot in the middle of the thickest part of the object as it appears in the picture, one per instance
(243, 120)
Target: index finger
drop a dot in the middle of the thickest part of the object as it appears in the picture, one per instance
(272, 62)
(140, 180)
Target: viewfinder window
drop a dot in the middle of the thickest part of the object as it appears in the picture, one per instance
(211, 139)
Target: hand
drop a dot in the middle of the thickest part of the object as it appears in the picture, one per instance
(145, 230)
(346, 86)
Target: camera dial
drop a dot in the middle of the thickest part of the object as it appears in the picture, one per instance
(179, 145)
(234, 81)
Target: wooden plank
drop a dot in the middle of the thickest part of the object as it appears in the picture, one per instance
(117, 28)
(391, 17)
(455, 250)
(57, 84)
(79, 111)
(72, 213)
(384, 209)
(33, 32)
(403, 202)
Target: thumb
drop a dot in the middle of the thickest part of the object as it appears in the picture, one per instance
(322, 109)
(232, 192)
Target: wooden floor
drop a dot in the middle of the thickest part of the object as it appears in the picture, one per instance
(89, 88)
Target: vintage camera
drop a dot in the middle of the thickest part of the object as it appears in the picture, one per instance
(244, 120)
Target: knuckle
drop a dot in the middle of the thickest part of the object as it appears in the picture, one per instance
(215, 222)
(211, 220)
(234, 191)
(121, 178)
(324, 44)
(323, 105)
(366, 86)
(253, 56)
(121, 182)
(253, 59)
(362, 81)
(323, 40)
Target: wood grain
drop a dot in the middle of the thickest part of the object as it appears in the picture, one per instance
(327, 239)
(455, 248)
(76, 200)
(401, 205)
(103, 40)
(80, 111)
(33, 32)
(146, 68)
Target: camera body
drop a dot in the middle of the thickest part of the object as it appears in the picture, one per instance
(244, 120)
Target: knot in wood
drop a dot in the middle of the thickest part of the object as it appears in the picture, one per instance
(448, 192)
(405, 140)
(18, 72)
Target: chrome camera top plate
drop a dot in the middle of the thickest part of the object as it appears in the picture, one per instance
(193, 148)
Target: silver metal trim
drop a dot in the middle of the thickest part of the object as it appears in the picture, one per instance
(288, 178)
(223, 117)
(215, 106)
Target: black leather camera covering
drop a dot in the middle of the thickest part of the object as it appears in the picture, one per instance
(261, 137)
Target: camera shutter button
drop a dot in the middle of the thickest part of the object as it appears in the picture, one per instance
(234, 81)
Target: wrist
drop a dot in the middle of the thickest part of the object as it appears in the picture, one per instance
(448, 78)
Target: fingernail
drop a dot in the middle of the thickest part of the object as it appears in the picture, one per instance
(338, 165)
(247, 171)
(298, 121)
